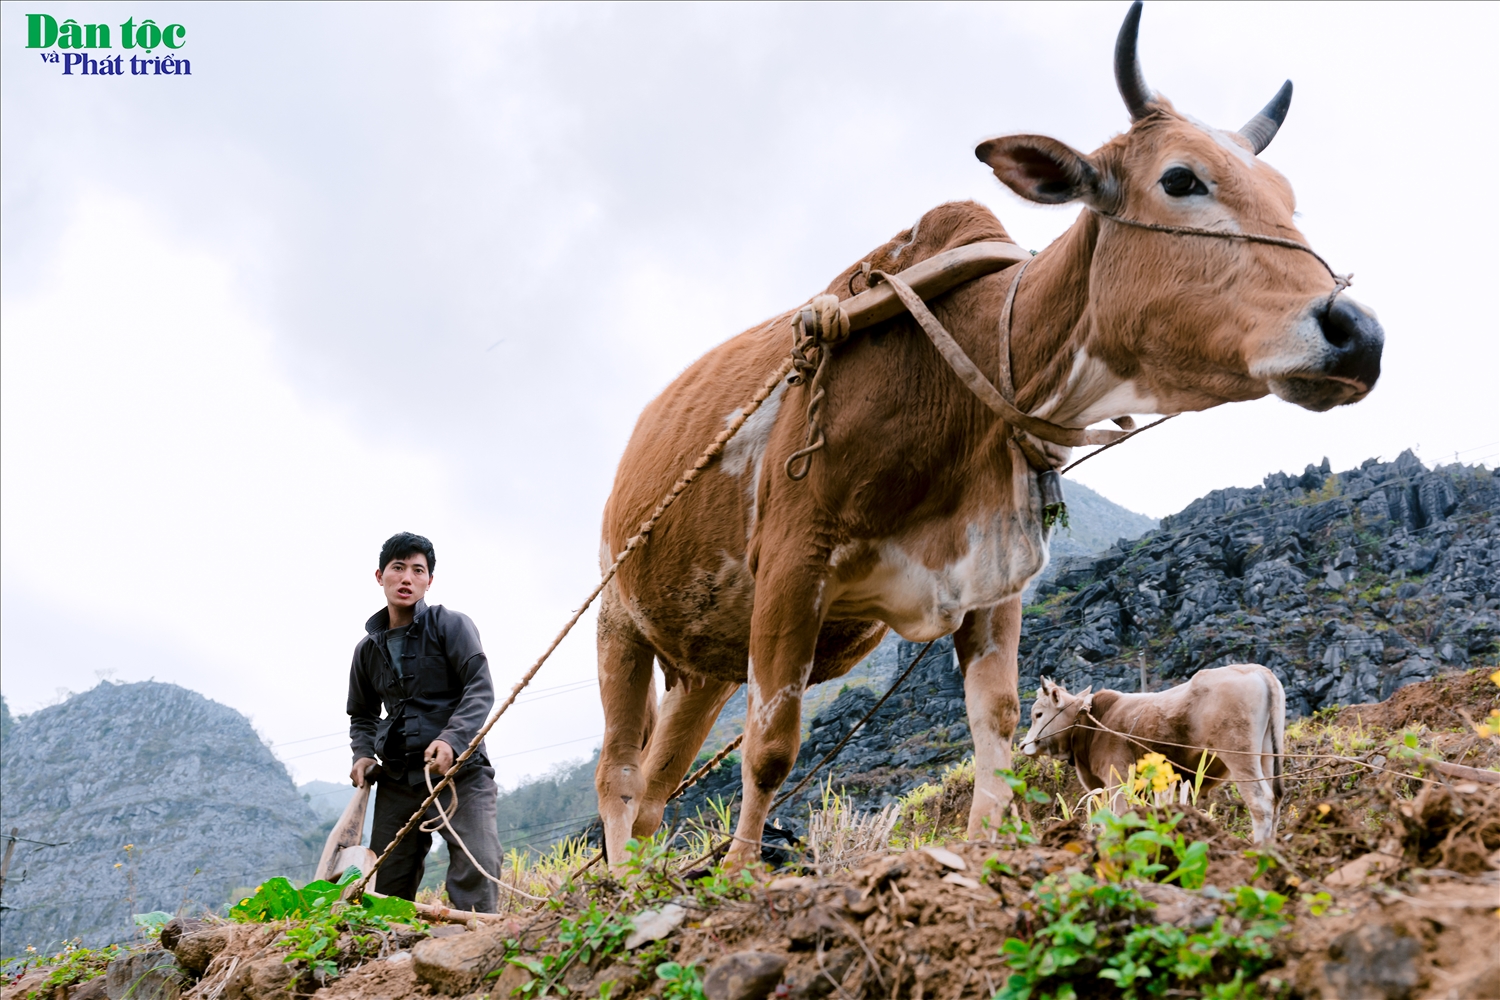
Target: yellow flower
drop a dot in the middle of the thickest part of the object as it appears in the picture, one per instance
(1491, 725)
(1495, 677)
(119, 865)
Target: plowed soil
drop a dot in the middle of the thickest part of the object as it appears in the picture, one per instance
(1392, 874)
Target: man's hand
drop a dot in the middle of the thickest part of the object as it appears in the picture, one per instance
(360, 772)
(439, 756)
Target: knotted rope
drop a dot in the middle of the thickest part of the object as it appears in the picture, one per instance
(816, 328)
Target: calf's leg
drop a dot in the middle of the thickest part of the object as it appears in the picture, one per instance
(987, 643)
(1255, 788)
(629, 698)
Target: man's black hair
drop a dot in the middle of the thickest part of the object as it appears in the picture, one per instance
(404, 544)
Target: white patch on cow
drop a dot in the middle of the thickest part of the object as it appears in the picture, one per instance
(1093, 393)
(923, 603)
(605, 555)
(1228, 141)
(747, 449)
(749, 444)
(765, 711)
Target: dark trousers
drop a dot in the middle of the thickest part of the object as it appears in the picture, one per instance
(474, 820)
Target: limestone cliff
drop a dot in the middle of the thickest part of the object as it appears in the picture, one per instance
(185, 782)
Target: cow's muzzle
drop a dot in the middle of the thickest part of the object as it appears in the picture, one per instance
(1349, 358)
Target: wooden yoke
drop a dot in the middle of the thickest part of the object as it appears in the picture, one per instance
(931, 278)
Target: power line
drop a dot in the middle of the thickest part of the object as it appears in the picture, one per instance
(517, 753)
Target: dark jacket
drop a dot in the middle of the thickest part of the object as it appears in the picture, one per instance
(444, 691)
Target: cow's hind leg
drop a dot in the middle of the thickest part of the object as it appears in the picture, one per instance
(987, 644)
(629, 699)
(1255, 788)
(687, 714)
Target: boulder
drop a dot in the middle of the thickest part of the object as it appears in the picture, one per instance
(455, 964)
(145, 975)
(195, 949)
(266, 978)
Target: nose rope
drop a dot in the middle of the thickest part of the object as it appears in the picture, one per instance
(1037, 739)
(1340, 281)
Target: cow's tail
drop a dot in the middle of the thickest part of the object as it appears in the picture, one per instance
(1276, 729)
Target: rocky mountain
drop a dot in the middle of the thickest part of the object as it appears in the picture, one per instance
(1348, 586)
(155, 798)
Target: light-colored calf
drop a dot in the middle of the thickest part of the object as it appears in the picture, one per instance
(1237, 712)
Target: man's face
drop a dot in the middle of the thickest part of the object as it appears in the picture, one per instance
(405, 580)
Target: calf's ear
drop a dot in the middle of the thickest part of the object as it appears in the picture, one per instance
(1041, 169)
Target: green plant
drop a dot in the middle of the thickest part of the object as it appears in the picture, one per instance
(317, 918)
(1317, 903)
(1131, 846)
(1096, 930)
(151, 923)
(683, 982)
(70, 966)
(584, 938)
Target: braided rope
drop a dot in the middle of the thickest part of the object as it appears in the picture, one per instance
(635, 542)
(703, 771)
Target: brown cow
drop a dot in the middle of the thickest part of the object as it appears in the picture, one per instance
(1238, 711)
(922, 514)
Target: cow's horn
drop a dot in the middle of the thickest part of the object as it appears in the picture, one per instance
(1261, 129)
(1139, 98)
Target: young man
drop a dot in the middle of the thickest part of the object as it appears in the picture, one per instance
(425, 666)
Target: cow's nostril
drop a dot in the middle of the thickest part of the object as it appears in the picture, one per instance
(1339, 323)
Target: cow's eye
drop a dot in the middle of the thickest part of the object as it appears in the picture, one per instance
(1179, 182)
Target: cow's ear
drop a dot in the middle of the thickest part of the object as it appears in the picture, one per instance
(1041, 169)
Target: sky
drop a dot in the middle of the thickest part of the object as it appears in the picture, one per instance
(372, 268)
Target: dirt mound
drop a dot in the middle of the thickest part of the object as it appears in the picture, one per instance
(1438, 704)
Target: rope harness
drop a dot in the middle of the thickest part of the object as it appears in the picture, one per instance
(816, 329)
(821, 325)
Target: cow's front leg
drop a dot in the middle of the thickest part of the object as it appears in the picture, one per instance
(783, 641)
(987, 643)
(628, 694)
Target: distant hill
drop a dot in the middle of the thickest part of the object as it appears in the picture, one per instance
(1095, 523)
(185, 782)
(326, 798)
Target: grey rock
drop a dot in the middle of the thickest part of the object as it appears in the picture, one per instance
(145, 975)
(456, 963)
(744, 975)
(1373, 963)
(654, 924)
